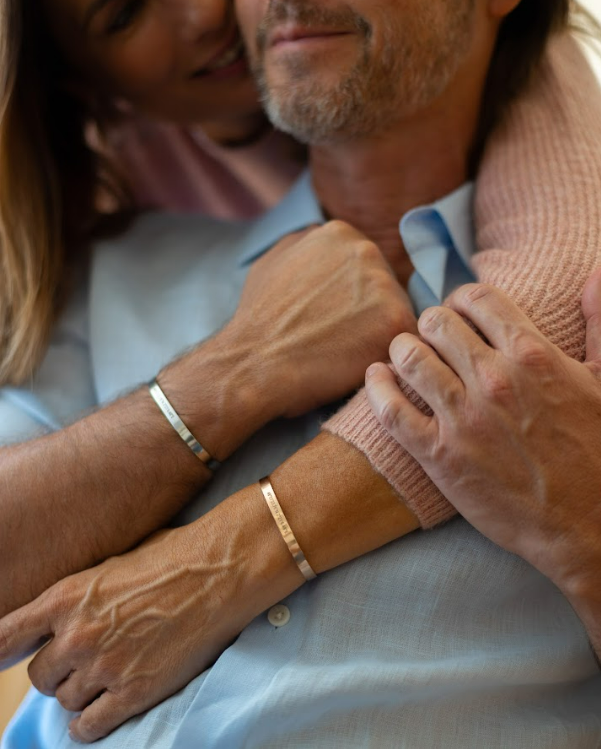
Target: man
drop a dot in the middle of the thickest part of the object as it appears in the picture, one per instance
(413, 645)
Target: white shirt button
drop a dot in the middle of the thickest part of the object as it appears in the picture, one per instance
(279, 615)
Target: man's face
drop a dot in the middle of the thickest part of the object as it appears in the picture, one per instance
(330, 70)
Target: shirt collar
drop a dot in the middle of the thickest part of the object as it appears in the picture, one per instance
(433, 236)
(456, 211)
(298, 210)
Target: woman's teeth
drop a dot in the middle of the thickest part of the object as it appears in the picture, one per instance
(232, 54)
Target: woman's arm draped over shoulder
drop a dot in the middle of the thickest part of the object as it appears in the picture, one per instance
(538, 222)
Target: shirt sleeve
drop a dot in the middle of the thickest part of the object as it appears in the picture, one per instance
(61, 389)
(538, 229)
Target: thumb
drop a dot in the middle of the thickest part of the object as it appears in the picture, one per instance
(591, 309)
(23, 632)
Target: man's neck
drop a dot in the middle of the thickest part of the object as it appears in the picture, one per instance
(372, 183)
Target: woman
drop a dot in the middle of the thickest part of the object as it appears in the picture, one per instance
(49, 171)
(405, 519)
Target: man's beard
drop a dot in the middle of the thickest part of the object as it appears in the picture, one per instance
(413, 66)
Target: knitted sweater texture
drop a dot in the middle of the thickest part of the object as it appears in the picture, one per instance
(537, 213)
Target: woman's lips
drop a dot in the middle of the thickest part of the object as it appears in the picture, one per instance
(230, 57)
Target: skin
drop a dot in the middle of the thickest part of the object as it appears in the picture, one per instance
(403, 161)
(83, 503)
(155, 56)
(508, 401)
(396, 176)
(336, 311)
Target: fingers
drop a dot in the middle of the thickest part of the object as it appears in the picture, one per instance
(591, 309)
(421, 368)
(393, 410)
(49, 668)
(492, 312)
(24, 631)
(101, 717)
(454, 341)
(78, 691)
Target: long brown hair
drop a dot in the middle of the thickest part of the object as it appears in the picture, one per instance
(49, 181)
(49, 176)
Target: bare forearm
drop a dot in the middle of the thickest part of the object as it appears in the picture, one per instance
(338, 507)
(96, 488)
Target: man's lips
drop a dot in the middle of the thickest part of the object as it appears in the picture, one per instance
(290, 34)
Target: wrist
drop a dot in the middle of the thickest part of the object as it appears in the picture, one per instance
(241, 539)
(219, 392)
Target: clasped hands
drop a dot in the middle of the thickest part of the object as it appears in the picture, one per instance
(126, 634)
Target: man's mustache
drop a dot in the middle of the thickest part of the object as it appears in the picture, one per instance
(312, 14)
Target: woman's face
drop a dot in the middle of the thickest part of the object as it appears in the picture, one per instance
(178, 60)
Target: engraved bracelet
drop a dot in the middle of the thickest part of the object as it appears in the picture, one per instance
(285, 530)
(174, 419)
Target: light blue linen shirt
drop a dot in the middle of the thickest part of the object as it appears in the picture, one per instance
(438, 640)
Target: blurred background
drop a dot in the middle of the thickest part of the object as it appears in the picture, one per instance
(594, 6)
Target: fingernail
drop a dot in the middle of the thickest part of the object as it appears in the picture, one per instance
(372, 370)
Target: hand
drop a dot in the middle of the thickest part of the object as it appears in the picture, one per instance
(318, 308)
(129, 633)
(514, 440)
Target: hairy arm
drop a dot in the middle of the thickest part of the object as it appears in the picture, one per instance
(99, 486)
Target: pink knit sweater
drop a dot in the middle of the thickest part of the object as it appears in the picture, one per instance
(538, 218)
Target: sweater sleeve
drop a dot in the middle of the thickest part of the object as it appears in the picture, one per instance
(538, 230)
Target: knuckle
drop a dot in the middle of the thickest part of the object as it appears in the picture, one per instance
(70, 702)
(406, 354)
(40, 681)
(390, 417)
(432, 319)
(496, 385)
(77, 640)
(367, 251)
(337, 227)
(453, 397)
(473, 294)
(529, 352)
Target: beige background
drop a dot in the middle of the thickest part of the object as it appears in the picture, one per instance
(14, 683)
